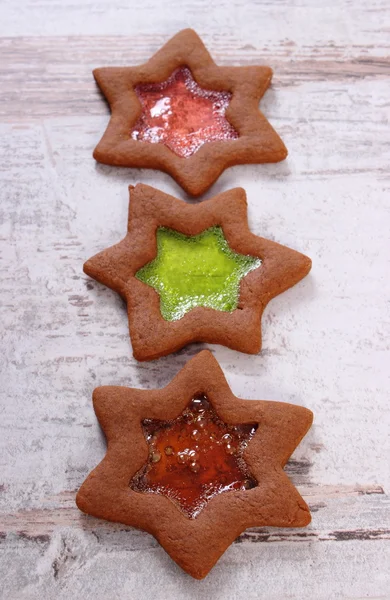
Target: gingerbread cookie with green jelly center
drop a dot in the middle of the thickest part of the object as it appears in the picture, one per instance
(181, 113)
(194, 273)
(194, 465)
(198, 270)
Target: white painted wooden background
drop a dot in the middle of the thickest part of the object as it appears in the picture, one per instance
(326, 341)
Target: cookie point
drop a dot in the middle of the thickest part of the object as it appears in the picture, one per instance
(98, 396)
(204, 353)
(306, 418)
(199, 576)
(309, 263)
(283, 152)
(80, 500)
(188, 31)
(140, 186)
(304, 517)
(140, 355)
(89, 267)
(241, 194)
(309, 416)
(98, 155)
(203, 356)
(200, 572)
(96, 72)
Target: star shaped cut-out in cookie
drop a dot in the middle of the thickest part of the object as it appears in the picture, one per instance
(195, 457)
(151, 334)
(195, 271)
(181, 113)
(195, 541)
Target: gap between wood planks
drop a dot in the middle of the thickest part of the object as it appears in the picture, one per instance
(39, 524)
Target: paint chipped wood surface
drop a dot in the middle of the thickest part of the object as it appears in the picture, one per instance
(325, 341)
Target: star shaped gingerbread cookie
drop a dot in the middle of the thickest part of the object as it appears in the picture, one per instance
(184, 115)
(194, 465)
(194, 273)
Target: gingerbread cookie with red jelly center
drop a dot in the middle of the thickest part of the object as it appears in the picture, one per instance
(194, 273)
(194, 465)
(184, 115)
(181, 115)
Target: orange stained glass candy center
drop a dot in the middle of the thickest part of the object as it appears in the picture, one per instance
(195, 457)
(181, 114)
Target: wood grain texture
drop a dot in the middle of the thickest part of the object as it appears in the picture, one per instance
(325, 341)
(51, 76)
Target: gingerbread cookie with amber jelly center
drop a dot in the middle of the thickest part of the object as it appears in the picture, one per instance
(184, 115)
(194, 465)
(195, 457)
(194, 273)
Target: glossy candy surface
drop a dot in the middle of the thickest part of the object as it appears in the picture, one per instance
(181, 114)
(192, 271)
(195, 457)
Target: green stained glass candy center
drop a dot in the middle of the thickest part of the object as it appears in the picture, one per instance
(199, 270)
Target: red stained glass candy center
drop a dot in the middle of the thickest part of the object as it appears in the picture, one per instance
(195, 457)
(181, 114)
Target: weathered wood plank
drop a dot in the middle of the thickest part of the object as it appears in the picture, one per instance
(76, 562)
(303, 21)
(44, 77)
(327, 503)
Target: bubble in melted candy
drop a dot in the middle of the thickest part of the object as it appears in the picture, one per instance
(181, 114)
(155, 457)
(198, 469)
